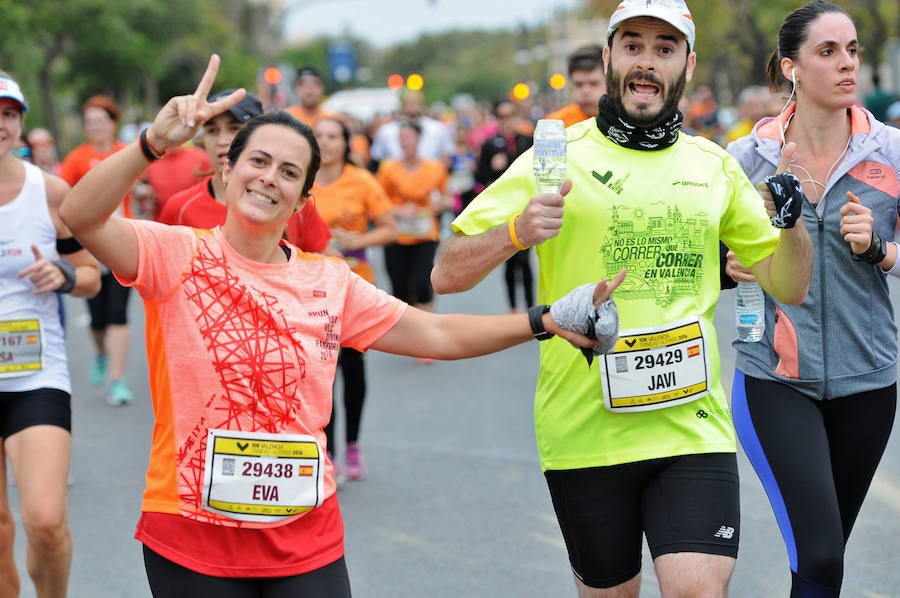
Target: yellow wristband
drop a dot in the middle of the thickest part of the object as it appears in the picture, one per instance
(512, 234)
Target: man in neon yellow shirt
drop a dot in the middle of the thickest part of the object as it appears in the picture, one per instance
(640, 443)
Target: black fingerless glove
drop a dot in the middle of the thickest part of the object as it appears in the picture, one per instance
(788, 197)
(875, 254)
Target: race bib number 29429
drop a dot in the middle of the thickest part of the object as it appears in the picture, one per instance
(655, 368)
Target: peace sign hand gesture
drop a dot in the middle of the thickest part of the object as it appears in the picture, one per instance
(182, 116)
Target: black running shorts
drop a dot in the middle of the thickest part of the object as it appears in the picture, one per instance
(689, 503)
(44, 406)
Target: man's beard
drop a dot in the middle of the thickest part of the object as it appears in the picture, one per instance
(614, 87)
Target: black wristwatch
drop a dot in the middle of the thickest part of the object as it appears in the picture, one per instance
(537, 325)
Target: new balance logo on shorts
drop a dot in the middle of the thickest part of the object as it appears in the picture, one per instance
(724, 532)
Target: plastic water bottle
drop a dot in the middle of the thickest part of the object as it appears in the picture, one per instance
(549, 155)
(749, 312)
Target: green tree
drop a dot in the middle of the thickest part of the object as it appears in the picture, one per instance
(479, 63)
(454, 62)
(134, 50)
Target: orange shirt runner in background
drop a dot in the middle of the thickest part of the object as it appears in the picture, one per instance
(180, 168)
(309, 117)
(350, 203)
(360, 149)
(81, 160)
(414, 186)
(570, 114)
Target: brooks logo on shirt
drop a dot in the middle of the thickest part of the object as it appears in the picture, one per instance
(690, 184)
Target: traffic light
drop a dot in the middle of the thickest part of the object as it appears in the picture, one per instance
(520, 91)
(272, 75)
(395, 81)
(557, 81)
(415, 82)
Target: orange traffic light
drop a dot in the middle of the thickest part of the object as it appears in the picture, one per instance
(272, 75)
(395, 81)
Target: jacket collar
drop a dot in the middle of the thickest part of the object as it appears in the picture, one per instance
(768, 131)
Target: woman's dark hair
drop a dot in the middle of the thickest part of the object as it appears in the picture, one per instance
(345, 133)
(278, 117)
(408, 123)
(793, 32)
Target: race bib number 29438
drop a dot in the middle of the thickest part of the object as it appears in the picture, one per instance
(254, 476)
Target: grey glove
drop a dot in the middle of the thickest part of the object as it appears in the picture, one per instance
(575, 311)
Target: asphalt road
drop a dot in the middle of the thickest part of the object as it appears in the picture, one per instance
(455, 503)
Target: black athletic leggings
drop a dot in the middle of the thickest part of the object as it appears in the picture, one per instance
(518, 267)
(353, 375)
(169, 580)
(815, 460)
(409, 268)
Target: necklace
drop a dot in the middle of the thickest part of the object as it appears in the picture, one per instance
(816, 184)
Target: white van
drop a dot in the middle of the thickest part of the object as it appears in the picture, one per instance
(364, 103)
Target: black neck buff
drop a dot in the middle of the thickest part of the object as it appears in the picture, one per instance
(613, 122)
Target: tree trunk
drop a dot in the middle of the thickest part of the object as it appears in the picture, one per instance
(45, 84)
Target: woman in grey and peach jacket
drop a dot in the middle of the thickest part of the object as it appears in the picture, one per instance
(814, 400)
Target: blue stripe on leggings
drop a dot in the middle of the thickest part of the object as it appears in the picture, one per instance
(746, 433)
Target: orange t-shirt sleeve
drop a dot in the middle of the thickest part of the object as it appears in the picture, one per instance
(367, 306)
(384, 176)
(73, 166)
(172, 246)
(377, 201)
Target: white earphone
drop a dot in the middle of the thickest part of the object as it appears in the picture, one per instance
(793, 76)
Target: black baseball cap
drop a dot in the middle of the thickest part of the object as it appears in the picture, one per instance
(244, 110)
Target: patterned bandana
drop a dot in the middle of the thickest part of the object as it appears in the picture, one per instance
(787, 193)
(621, 132)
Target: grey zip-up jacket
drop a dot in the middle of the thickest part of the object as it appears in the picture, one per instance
(842, 340)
